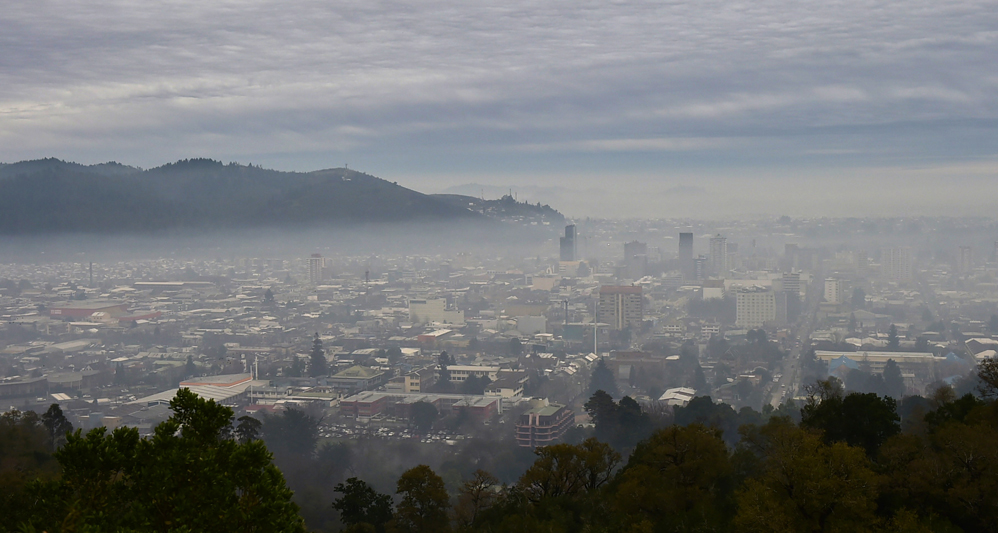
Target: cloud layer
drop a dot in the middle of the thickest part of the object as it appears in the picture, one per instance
(679, 89)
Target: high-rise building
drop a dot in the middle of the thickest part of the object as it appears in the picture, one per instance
(895, 264)
(791, 283)
(756, 307)
(718, 255)
(965, 261)
(733, 259)
(790, 252)
(686, 255)
(621, 306)
(636, 259)
(700, 267)
(635, 248)
(833, 291)
(316, 266)
(569, 244)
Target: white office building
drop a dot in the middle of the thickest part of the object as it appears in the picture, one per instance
(833, 291)
(895, 264)
(757, 306)
(433, 310)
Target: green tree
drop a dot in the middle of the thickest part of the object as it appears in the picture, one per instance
(317, 365)
(475, 385)
(56, 424)
(987, 373)
(676, 480)
(424, 504)
(296, 370)
(893, 342)
(633, 422)
(602, 380)
(360, 504)
(863, 420)
(190, 368)
(24, 461)
(922, 344)
(893, 380)
(249, 429)
(476, 496)
(291, 434)
(966, 464)
(515, 347)
(189, 476)
(268, 296)
(443, 376)
(568, 470)
(423, 415)
(805, 485)
(602, 411)
(858, 299)
(394, 355)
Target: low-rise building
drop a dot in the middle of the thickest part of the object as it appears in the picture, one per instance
(356, 378)
(680, 396)
(371, 403)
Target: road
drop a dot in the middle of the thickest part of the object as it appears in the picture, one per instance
(789, 383)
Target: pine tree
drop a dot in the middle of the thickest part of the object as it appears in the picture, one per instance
(893, 342)
(317, 359)
(190, 368)
(602, 379)
(893, 380)
(443, 376)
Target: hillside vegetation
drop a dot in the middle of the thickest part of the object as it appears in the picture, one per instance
(53, 196)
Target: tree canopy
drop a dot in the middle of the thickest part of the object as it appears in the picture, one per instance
(189, 476)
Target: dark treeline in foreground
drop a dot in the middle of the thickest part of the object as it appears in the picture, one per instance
(843, 462)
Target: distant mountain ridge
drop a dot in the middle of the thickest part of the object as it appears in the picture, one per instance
(54, 196)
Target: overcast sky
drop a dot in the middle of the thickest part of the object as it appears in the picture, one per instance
(654, 108)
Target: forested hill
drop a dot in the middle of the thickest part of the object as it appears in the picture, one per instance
(53, 196)
(507, 209)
